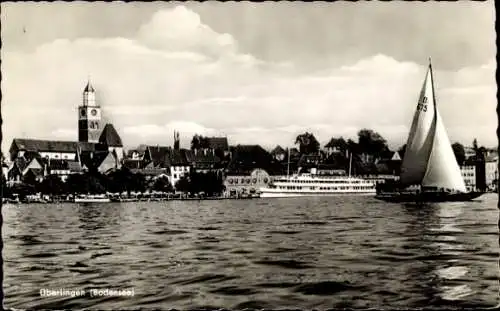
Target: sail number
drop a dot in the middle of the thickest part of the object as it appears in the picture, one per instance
(422, 107)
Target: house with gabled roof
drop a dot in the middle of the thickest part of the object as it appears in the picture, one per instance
(179, 164)
(279, 153)
(204, 160)
(156, 157)
(100, 161)
(218, 143)
(15, 173)
(246, 158)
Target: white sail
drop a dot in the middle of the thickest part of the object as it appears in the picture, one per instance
(442, 169)
(419, 143)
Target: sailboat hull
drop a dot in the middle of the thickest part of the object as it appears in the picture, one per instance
(428, 197)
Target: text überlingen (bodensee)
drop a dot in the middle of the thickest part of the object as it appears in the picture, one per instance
(92, 292)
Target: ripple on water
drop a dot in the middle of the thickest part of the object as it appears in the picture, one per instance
(284, 232)
(169, 232)
(234, 291)
(288, 264)
(206, 278)
(97, 255)
(324, 288)
(253, 305)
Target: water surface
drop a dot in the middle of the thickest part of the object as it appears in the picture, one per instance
(325, 252)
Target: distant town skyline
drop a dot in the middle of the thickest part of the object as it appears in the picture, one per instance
(258, 73)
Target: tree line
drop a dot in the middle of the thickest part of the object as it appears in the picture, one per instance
(117, 181)
(372, 143)
(368, 142)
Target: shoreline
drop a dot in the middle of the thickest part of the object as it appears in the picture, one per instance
(89, 201)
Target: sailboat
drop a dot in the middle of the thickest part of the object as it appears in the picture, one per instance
(429, 170)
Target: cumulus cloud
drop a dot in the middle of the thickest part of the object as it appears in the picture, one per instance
(181, 29)
(179, 74)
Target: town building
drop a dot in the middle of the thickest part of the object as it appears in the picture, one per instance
(491, 172)
(246, 183)
(251, 167)
(469, 175)
(335, 146)
(469, 152)
(219, 146)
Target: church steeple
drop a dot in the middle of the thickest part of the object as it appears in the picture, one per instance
(89, 116)
(89, 95)
(89, 88)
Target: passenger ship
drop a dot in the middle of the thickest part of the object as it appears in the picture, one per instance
(314, 185)
(311, 184)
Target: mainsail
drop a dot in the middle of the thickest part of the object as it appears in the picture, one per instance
(443, 170)
(420, 138)
(429, 160)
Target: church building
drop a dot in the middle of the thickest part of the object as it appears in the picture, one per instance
(99, 147)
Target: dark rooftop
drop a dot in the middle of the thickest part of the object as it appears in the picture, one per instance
(110, 137)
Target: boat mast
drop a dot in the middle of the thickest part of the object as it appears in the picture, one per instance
(350, 164)
(288, 164)
(432, 85)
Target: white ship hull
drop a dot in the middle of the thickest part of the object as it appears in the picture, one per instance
(307, 185)
(92, 200)
(276, 193)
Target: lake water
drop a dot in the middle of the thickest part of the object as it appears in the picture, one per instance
(325, 252)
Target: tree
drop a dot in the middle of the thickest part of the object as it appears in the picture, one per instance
(162, 184)
(52, 184)
(124, 180)
(372, 143)
(77, 183)
(307, 143)
(183, 184)
(459, 151)
(352, 146)
(195, 142)
(22, 190)
(200, 142)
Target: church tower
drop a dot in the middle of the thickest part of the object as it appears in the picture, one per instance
(89, 117)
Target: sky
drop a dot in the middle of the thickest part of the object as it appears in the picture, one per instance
(258, 73)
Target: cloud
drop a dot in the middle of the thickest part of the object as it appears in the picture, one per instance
(65, 133)
(180, 29)
(179, 74)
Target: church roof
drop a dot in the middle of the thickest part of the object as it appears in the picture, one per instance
(38, 145)
(34, 146)
(110, 137)
(89, 88)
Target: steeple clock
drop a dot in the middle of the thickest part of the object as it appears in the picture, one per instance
(89, 117)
